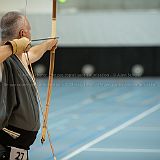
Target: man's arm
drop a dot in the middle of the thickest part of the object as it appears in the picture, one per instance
(17, 46)
(36, 52)
(5, 52)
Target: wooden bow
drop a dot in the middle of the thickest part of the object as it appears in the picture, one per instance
(50, 81)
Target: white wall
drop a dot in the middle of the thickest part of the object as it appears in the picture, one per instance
(101, 28)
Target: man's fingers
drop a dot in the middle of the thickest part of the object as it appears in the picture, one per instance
(54, 48)
(55, 43)
(28, 47)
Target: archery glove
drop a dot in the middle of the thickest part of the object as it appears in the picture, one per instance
(19, 45)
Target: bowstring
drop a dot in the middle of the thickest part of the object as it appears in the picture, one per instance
(40, 104)
(36, 86)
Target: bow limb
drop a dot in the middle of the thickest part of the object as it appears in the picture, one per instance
(51, 72)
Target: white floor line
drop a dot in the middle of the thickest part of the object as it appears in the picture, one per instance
(123, 150)
(113, 131)
(144, 128)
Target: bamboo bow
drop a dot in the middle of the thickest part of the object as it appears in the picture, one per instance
(50, 81)
(51, 70)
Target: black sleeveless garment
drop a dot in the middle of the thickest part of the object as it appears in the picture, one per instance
(19, 110)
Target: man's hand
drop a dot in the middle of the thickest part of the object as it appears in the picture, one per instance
(19, 46)
(52, 44)
(37, 51)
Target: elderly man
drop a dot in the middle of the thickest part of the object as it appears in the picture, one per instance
(19, 111)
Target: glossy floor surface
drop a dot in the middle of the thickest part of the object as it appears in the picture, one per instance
(102, 119)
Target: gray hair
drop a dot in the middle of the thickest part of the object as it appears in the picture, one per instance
(11, 23)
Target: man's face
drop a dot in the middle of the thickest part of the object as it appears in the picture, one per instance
(26, 30)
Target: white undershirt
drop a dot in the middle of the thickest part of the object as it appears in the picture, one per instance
(1, 70)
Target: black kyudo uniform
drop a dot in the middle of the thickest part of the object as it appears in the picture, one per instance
(19, 111)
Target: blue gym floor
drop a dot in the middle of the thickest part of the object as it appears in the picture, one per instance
(102, 119)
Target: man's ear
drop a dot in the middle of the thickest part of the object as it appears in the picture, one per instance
(21, 33)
